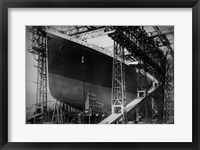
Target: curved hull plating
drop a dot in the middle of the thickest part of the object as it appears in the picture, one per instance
(70, 79)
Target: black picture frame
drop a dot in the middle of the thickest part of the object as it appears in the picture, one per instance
(6, 4)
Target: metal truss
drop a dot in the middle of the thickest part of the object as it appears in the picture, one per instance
(118, 81)
(143, 48)
(39, 42)
(168, 111)
(132, 38)
(130, 43)
(155, 34)
(91, 34)
(75, 30)
(82, 33)
(163, 39)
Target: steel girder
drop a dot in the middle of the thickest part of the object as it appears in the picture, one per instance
(164, 40)
(132, 38)
(168, 111)
(118, 81)
(142, 47)
(39, 48)
(75, 30)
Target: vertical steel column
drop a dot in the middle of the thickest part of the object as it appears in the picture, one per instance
(118, 81)
(141, 89)
(168, 112)
(39, 49)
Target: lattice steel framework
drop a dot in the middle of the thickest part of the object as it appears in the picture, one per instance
(134, 39)
(168, 111)
(163, 39)
(90, 34)
(75, 31)
(39, 49)
(118, 81)
(141, 78)
(143, 48)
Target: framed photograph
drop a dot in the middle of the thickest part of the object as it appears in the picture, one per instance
(99, 75)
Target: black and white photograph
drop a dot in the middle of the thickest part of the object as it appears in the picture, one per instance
(99, 74)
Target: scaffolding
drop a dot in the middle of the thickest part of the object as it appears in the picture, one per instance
(141, 47)
(39, 50)
(168, 109)
(130, 43)
(118, 81)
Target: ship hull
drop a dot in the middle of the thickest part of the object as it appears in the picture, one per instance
(75, 70)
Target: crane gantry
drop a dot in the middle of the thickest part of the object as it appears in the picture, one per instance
(130, 43)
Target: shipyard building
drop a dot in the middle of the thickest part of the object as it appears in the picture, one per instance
(100, 74)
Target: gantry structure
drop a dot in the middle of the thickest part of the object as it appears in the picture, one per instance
(130, 43)
(39, 50)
